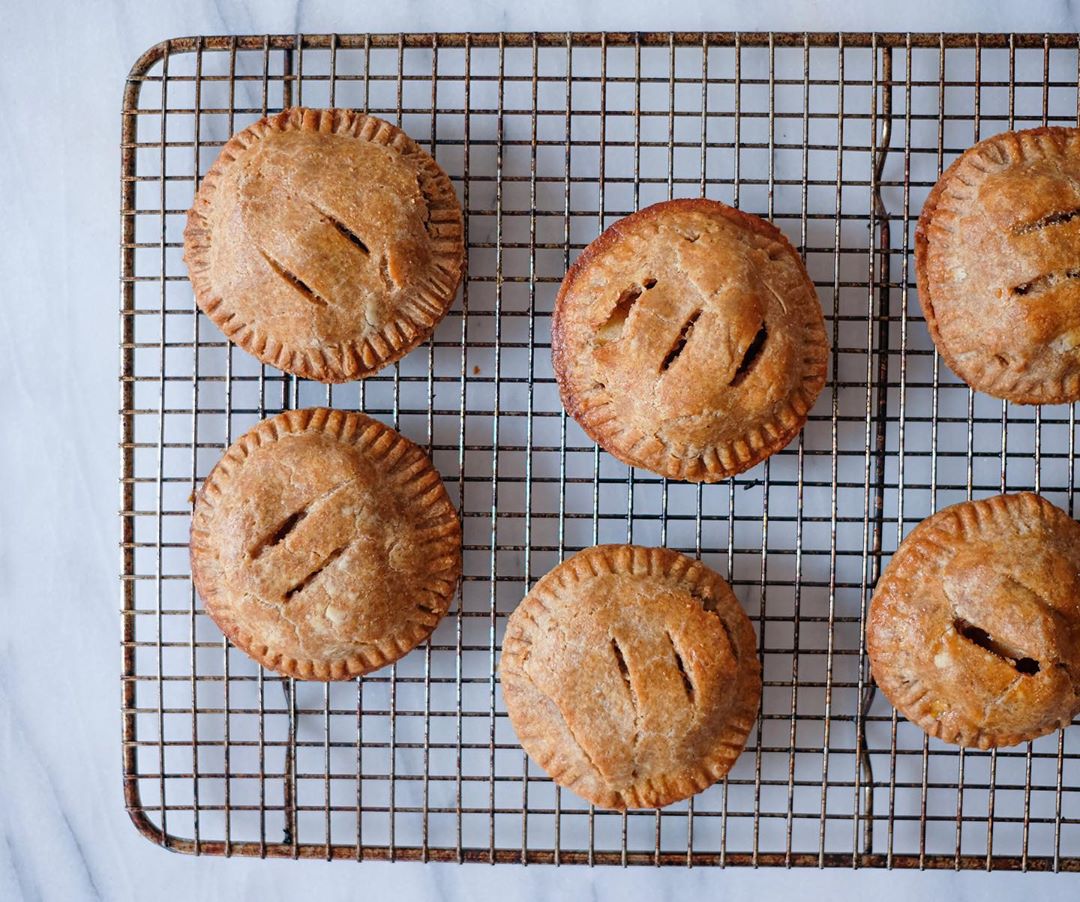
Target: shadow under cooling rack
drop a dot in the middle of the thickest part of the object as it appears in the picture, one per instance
(549, 138)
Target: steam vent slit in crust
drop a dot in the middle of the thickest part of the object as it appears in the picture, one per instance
(324, 545)
(325, 243)
(997, 259)
(974, 628)
(631, 676)
(688, 340)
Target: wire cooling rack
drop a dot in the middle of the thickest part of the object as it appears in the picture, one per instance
(549, 138)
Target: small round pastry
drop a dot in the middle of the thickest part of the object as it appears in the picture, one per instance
(325, 242)
(997, 261)
(974, 628)
(630, 675)
(324, 544)
(688, 339)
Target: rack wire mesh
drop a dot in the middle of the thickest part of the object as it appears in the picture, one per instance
(550, 137)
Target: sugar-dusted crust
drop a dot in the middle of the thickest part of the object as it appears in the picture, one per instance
(688, 339)
(974, 628)
(630, 675)
(325, 242)
(324, 544)
(997, 262)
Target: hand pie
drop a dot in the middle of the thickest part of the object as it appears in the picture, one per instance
(631, 675)
(324, 544)
(997, 259)
(974, 628)
(325, 242)
(687, 339)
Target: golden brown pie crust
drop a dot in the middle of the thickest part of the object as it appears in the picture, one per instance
(630, 675)
(325, 242)
(997, 260)
(688, 339)
(974, 629)
(324, 544)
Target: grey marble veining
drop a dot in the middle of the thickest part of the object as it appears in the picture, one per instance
(65, 834)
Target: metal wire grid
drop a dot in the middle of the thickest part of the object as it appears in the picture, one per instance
(838, 139)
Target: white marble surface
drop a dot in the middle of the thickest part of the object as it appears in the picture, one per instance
(64, 832)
